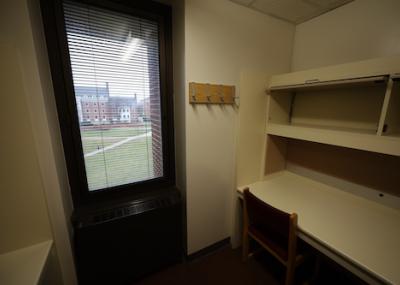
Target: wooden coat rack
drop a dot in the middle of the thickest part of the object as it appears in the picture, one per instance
(204, 93)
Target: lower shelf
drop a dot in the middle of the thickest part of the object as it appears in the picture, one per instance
(361, 141)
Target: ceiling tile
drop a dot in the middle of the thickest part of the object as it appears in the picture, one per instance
(294, 11)
(291, 10)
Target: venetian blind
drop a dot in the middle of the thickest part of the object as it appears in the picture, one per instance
(115, 68)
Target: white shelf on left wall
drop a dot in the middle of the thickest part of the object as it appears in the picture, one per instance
(24, 266)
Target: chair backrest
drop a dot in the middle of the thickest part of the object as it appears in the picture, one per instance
(279, 226)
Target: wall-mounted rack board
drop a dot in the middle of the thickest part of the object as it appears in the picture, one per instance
(355, 105)
(204, 93)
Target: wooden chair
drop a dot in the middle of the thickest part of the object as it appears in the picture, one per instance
(273, 229)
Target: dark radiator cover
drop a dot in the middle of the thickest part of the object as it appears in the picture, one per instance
(122, 244)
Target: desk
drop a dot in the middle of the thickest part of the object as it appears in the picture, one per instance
(24, 266)
(362, 235)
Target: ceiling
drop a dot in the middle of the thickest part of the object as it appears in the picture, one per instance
(294, 11)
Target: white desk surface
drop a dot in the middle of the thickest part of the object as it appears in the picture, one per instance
(24, 266)
(365, 232)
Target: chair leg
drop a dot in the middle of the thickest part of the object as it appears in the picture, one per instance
(245, 246)
(290, 273)
(316, 270)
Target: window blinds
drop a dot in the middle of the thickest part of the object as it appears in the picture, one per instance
(115, 68)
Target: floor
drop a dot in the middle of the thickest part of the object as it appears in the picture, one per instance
(222, 267)
(226, 267)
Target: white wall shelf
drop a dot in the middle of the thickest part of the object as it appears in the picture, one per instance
(360, 69)
(358, 140)
(316, 84)
(24, 266)
(344, 124)
(354, 105)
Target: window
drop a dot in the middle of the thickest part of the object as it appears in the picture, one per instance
(122, 59)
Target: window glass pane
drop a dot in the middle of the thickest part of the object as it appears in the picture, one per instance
(115, 68)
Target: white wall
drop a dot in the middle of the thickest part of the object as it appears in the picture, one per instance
(23, 213)
(222, 39)
(21, 27)
(50, 150)
(360, 30)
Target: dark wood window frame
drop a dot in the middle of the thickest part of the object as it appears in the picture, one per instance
(53, 21)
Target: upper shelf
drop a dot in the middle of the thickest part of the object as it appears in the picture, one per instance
(362, 72)
(356, 140)
(315, 84)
